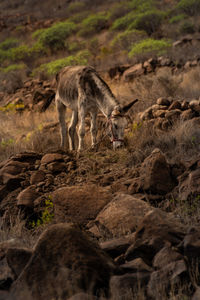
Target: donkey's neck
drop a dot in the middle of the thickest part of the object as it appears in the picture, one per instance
(106, 101)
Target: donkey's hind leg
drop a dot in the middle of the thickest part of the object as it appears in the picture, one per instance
(61, 109)
(93, 127)
(72, 129)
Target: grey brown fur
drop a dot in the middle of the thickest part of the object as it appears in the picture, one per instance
(81, 89)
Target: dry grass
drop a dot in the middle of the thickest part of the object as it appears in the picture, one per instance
(181, 143)
(189, 87)
(28, 132)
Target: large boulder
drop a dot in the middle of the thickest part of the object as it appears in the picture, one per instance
(121, 216)
(79, 203)
(156, 230)
(65, 261)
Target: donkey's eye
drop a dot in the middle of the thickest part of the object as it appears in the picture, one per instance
(116, 127)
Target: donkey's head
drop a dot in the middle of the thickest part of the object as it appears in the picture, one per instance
(118, 122)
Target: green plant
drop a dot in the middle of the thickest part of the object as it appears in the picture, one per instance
(186, 27)
(119, 10)
(123, 22)
(93, 24)
(76, 46)
(75, 7)
(7, 142)
(53, 67)
(13, 67)
(12, 107)
(124, 40)
(142, 5)
(190, 7)
(9, 43)
(150, 45)
(20, 53)
(47, 214)
(148, 21)
(54, 36)
(177, 18)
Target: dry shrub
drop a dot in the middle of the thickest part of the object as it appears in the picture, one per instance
(28, 132)
(189, 87)
(180, 143)
(11, 81)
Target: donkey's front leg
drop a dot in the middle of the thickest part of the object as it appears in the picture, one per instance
(81, 132)
(93, 128)
(72, 129)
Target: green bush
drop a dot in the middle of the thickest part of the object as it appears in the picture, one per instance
(76, 46)
(9, 43)
(150, 45)
(177, 18)
(54, 36)
(190, 7)
(21, 52)
(14, 67)
(93, 24)
(148, 21)
(79, 17)
(124, 40)
(123, 22)
(76, 7)
(53, 67)
(186, 27)
(142, 5)
(119, 10)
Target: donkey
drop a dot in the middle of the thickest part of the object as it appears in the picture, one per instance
(81, 89)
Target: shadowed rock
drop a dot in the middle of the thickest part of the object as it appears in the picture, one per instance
(64, 262)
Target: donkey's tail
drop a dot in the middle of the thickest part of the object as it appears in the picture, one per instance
(47, 102)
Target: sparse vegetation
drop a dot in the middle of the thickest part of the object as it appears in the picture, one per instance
(54, 36)
(150, 46)
(51, 68)
(190, 7)
(93, 24)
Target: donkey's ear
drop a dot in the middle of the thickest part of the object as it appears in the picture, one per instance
(128, 106)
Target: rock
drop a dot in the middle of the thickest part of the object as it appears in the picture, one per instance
(65, 261)
(195, 105)
(196, 295)
(165, 256)
(79, 203)
(37, 177)
(116, 247)
(155, 174)
(57, 167)
(173, 115)
(175, 105)
(191, 246)
(171, 275)
(146, 115)
(136, 265)
(125, 286)
(163, 101)
(17, 258)
(83, 296)
(51, 157)
(123, 214)
(156, 230)
(133, 72)
(187, 115)
(27, 196)
(13, 168)
(159, 113)
(189, 185)
(184, 105)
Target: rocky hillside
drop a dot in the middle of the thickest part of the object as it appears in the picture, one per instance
(101, 224)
